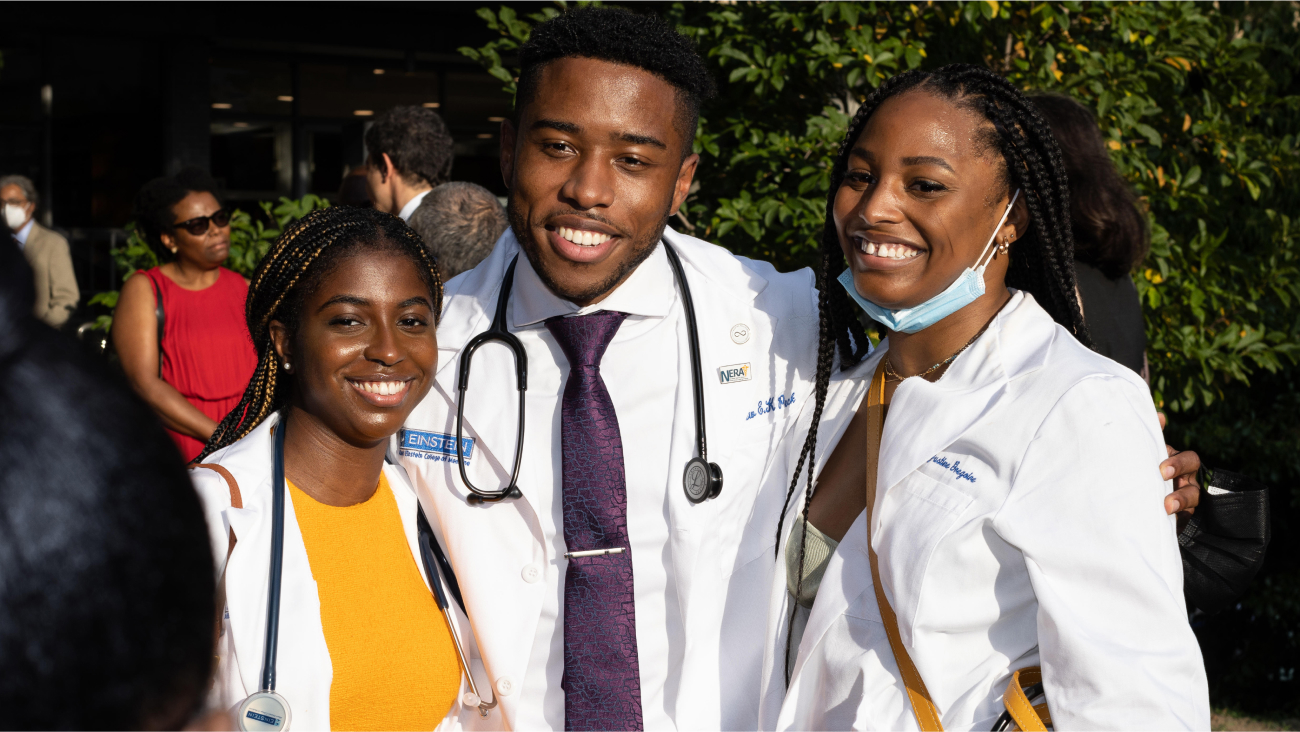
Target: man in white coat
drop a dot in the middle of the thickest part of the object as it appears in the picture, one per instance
(597, 159)
(659, 622)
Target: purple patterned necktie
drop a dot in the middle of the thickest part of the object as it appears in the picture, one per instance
(602, 677)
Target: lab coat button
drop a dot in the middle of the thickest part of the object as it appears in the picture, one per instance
(740, 334)
(505, 686)
(531, 573)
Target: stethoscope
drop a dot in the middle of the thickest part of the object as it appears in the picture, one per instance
(701, 480)
(268, 710)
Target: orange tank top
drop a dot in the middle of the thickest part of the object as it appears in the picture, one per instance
(395, 667)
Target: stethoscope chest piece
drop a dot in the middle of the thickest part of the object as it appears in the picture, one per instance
(265, 710)
(701, 480)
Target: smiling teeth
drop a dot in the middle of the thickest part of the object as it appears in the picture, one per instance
(384, 388)
(887, 251)
(584, 238)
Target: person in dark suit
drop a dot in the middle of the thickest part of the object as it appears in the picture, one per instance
(46, 251)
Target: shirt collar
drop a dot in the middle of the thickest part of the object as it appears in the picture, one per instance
(25, 232)
(411, 205)
(649, 291)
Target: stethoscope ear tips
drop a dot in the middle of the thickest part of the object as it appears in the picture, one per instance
(701, 480)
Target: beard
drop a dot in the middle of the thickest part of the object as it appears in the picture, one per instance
(638, 250)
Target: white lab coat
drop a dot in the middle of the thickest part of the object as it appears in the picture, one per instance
(303, 669)
(1018, 521)
(721, 568)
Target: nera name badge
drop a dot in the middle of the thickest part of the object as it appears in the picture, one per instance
(733, 373)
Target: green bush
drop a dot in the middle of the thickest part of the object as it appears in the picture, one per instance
(1198, 106)
(249, 239)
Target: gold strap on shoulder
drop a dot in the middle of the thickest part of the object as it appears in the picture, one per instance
(1028, 717)
(927, 715)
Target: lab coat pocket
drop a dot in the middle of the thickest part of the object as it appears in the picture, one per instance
(915, 515)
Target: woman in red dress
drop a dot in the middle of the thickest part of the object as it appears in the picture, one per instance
(179, 330)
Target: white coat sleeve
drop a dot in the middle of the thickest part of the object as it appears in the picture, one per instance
(214, 494)
(1086, 509)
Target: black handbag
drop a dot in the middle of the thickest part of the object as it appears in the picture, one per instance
(1224, 541)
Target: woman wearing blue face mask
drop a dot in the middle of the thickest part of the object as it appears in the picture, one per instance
(983, 526)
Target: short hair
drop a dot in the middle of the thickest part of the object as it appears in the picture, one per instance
(1110, 233)
(459, 223)
(416, 140)
(107, 594)
(622, 37)
(23, 182)
(153, 204)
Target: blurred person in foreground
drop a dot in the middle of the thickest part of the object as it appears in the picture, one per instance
(460, 223)
(343, 311)
(1110, 233)
(46, 252)
(410, 153)
(107, 599)
(179, 329)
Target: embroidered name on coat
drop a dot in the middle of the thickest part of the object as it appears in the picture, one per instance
(771, 405)
(953, 467)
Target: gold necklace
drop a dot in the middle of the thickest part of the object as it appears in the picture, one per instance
(893, 375)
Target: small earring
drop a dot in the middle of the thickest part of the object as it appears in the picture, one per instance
(286, 365)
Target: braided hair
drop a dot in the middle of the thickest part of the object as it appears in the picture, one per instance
(1041, 262)
(299, 260)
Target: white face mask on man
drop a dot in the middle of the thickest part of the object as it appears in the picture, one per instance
(15, 216)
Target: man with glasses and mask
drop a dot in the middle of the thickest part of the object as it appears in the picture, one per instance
(46, 251)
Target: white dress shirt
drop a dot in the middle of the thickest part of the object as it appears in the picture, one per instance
(411, 205)
(24, 232)
(649, 297)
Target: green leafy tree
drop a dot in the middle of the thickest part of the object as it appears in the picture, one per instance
(1198, 105)
(249, 240)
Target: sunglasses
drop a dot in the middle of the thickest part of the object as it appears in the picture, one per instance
(199, 226)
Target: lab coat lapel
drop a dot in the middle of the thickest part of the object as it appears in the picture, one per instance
(842, 399)
(302, 657)
(697, 537)
(926, 417)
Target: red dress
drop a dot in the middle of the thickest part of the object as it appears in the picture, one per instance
(207, 354)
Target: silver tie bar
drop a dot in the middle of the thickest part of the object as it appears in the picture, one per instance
(595, 552)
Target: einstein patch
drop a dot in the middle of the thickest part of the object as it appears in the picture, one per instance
(432, 446)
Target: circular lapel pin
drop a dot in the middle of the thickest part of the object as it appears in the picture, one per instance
(739, 333)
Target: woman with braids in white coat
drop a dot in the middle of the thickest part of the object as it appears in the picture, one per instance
(982, 516)
(342, 313)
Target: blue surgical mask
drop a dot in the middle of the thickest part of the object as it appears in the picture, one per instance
(966, 289)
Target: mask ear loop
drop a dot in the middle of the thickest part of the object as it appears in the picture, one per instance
(996, 229)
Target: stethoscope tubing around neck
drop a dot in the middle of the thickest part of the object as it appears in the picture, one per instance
(701, 479)
(497, 332)
(693, 342)
(277, 562)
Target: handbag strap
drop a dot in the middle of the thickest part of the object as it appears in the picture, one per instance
(1028, 717)
(927, 716)
(161, 317)
(236, 499)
